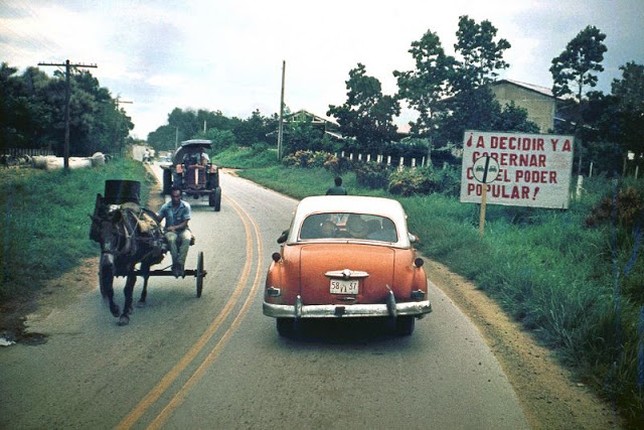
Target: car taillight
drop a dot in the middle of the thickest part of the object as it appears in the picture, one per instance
(273, 292)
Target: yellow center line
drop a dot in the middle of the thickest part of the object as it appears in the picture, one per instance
(165, 382)
(180, 396)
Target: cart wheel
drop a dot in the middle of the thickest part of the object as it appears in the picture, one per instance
(199, 274)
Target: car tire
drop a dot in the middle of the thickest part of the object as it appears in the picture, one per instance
(286, 327)
(405, 325)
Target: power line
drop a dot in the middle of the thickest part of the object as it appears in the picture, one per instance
(68, 66)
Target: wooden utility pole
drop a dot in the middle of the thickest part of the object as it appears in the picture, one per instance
(118, 128)
(281, 123)
(68, 67)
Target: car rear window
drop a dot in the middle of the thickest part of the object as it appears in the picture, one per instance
(348, 225)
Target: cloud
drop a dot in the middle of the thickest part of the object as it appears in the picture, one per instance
(227, 54)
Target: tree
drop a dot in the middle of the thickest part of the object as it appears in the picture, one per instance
(25, 112)
(97, 122)
(367, 115)
(574, 72)
(252, 130)
(629, 92)
(221, 139)
(33, 106)
(451, 94)
(185, 123)
(164, 138)
(481, 56)
(425, 87)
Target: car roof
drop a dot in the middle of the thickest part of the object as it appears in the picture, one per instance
(380, 206)
(350, 203)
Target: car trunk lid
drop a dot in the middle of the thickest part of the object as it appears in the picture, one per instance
(356, 273)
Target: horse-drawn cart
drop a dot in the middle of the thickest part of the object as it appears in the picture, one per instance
(199, 273)
(130, 235)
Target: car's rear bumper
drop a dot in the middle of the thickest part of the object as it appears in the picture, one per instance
(389, 309)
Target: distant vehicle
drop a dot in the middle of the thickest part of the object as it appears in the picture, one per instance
(191, 171)
(346, 257)
(165, 158)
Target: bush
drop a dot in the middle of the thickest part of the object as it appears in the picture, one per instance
(408, 182)
(447, 181)
(372, 175)
(629, 207)
(337, 165)
(307, 159)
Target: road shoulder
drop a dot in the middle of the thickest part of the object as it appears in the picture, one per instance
(550, 397)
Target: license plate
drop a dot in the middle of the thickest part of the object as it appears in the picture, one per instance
(343, 286)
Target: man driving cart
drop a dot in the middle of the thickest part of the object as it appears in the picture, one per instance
(177, 213)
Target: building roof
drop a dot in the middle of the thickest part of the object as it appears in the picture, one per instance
(314, 118)
(536, 88)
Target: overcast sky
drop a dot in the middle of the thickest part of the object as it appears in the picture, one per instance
(227, 55)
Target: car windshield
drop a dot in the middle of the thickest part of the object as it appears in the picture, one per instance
(348, 225)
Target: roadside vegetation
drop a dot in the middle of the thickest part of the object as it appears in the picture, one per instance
(45, 222)
(573, 278)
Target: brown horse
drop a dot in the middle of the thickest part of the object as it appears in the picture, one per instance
(128, 234)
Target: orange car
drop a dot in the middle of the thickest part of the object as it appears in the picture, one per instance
(346, 257)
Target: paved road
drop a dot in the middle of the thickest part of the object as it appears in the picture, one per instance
(217, 362)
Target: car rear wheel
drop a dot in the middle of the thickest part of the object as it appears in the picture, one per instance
(405, 325)
(286, 327)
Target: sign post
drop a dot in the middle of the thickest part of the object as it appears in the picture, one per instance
(485, 171)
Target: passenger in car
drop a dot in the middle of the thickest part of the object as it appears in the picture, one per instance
(311, 227)
(357, 227)
(386, 233)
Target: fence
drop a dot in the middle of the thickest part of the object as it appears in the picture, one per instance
(400, 162)
(16, 152)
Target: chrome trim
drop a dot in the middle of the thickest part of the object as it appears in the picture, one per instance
(346, 274)
(298, 307)
(417, 309)
(391, 303)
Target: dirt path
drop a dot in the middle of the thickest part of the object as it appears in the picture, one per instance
(550, 397)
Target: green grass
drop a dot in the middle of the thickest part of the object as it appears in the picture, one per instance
(545, 267)
(46, 224)
(245, 158)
